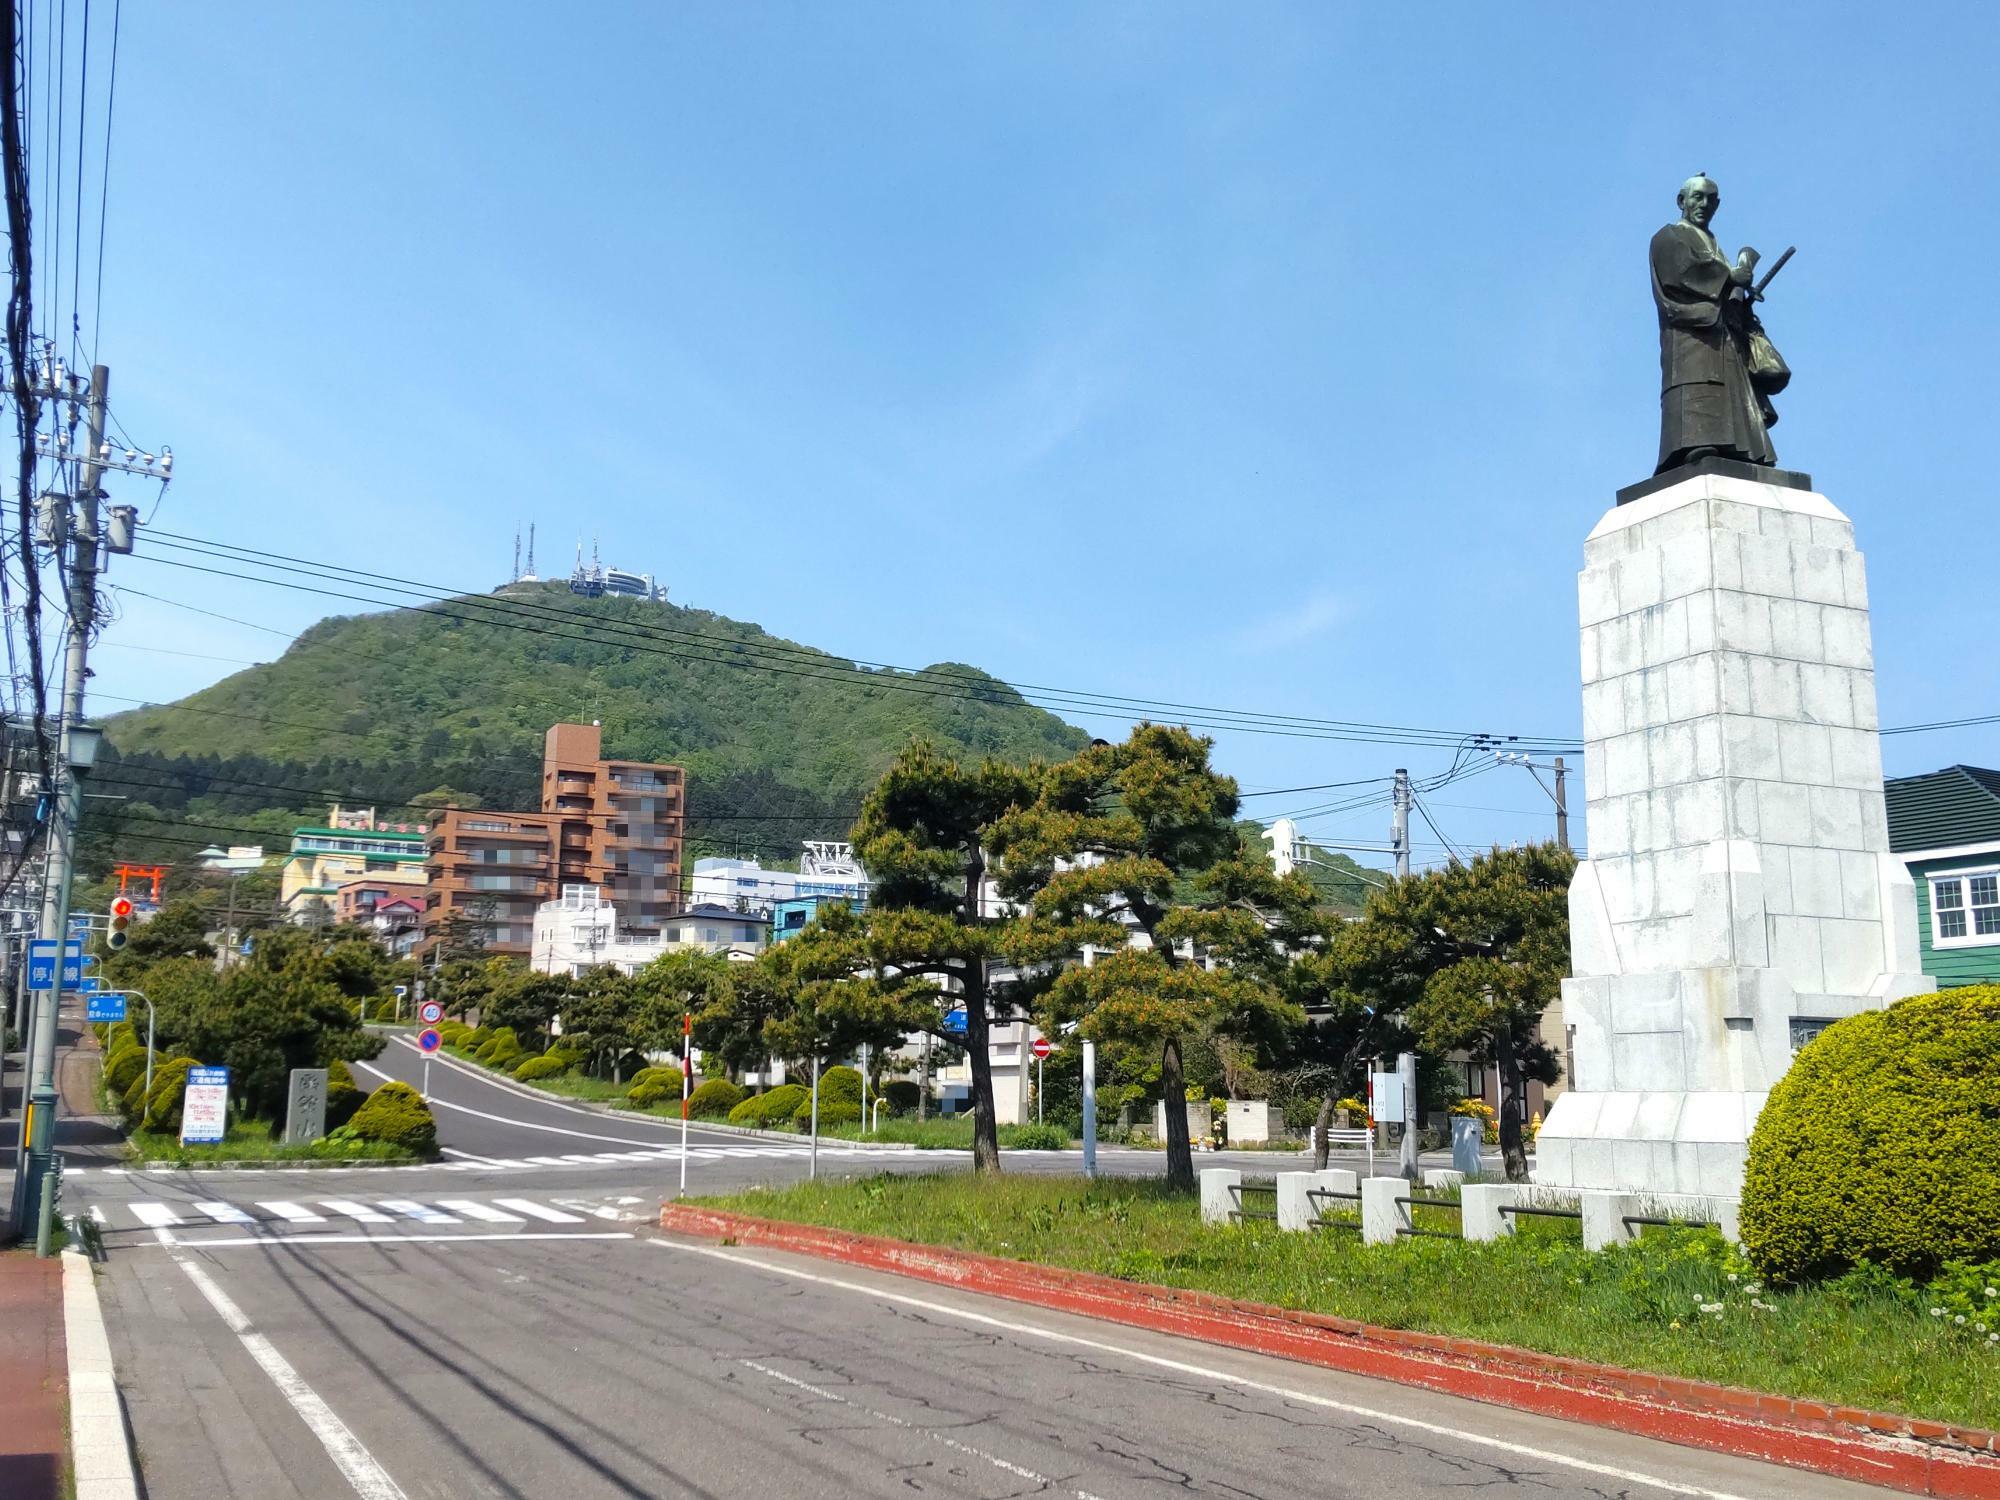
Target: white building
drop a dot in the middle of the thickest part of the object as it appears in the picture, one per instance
(827, 871)
(580, 932)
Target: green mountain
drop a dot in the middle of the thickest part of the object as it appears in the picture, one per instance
(406, 708)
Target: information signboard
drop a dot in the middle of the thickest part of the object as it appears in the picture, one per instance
(205, 1106)
(105, 1006)
(1385, 1098)
(42, 963)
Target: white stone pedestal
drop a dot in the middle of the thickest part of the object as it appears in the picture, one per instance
(1739, 893)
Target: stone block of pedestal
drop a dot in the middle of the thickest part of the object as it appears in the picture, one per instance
(1479, 1209)
(1385, 1209)
(1739, 894)
(1220, 1187)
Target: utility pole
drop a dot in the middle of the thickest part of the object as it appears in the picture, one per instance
(36, 1176)
(1399, 824)
(1562, 806)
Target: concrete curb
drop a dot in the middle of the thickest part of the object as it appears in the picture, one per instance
(314, 1164)
(588, 1107)
(1903, 1453)
(100, 1447)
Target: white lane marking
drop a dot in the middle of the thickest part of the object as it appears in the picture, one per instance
(484, 1161)
(508, 1161)
(1015, 1469)
(537, 1210)
(370, 1480)
(480, 1114)
(548, 1161)
(98, 1214)
(1201, 1372)
(225, 1213)
(423, 1213)
(270, 1241)
(480, 1211)
(353, 1210)
(635, 1155)
(155, 1215)
(293, 1212)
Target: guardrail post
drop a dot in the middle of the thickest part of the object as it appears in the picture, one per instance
(1385, 1209)
(1295, 1210)
(1604, 1217)
(1441, 1179)
(1219, 1187)
(1479, 1209)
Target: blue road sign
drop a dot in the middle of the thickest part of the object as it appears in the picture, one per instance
(90, 984)
(42, 964)
(954, 1021)
(429, 1040)
(108, 1006)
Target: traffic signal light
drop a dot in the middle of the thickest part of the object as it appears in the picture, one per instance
(115, 936)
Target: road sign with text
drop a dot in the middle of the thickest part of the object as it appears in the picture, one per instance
(106, 1007)
(205, 1106)
(430, 1013)
(42, 964)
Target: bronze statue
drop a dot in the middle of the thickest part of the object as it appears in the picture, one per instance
(1718, 370)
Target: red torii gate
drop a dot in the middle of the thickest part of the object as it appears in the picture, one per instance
(131, 874)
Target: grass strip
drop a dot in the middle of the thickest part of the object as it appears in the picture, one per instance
(1677, 1302)
(254, 1142)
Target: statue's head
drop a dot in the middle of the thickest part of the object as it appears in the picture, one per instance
(1699, 198)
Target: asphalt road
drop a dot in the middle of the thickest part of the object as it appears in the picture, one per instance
(500, 1326)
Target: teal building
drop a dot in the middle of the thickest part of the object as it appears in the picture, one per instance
(1946, 827)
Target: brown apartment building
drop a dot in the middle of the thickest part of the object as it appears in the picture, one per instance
(614, 824)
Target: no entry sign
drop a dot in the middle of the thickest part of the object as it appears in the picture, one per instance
(1041, 1047)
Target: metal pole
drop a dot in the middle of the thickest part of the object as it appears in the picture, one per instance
(1562, 805)
(687, 1072)
(1399, 823)
(427, 1078)
(1090, 1109)
(864, 1086)
(1406, 1067)
(815, 1113)
(39, 1128)
(1039, 1060)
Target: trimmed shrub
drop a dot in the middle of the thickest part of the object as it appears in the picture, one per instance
(163, 1105)
(122, 1064)
(116, 1033)
(902, 1094)
(548, 1065)
(1035, 1138)
(478, 1037)
(664, 1074)
(1882, 1144)
(397, 1114)
(831, 1112)
(132, 1103)
(646, 1095)
(714, 1098)
(839, 1083)
(343, 1096)
(772, 1107)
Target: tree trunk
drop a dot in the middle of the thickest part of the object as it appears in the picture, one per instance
(1321, 1126)
(985, 1124)
(1513, 1105)
(1173, 1091)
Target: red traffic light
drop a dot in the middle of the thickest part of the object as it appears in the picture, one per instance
(115, 936)
(121, 906)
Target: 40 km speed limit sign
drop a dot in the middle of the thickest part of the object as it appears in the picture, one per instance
(430, 1013)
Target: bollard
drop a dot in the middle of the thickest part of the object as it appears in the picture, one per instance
(1295, 1210)
(1604, 1217)
(1218, 1198)
(1441, 1179)
(1479, 1209)
(1385, 1208)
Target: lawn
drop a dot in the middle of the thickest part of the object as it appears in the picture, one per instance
(254, 1142)
(1680, 1302)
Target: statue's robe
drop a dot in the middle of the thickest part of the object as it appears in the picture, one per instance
(1706, 396)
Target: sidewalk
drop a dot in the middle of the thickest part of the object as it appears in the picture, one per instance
(34, 1382)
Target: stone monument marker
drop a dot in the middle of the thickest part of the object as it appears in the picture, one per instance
(305, 1107)
(1739, 893)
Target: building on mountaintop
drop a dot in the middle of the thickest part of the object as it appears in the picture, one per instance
(1945, 826)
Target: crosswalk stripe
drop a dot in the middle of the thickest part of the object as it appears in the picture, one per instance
(224, 1213)
(479, 1211)
(634, 1155)
(549, 1161)
(423, 1213)
(155, 1215)
(354, 1210)
(294, 1213)
(539, 1211)
(589, 1161)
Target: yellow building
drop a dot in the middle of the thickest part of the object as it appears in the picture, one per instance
(355, 848)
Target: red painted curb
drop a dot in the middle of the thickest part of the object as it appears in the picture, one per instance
(1901, 1453)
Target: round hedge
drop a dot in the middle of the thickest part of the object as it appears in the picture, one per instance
(397, 1114)
(831, 1111)
(122, 1064)
(548, 1065)
(646, 1095)
(163, 1104)
(1882, 1144)
(902, 1094)
(666, 1076)
(772, 1107)
(840, 1083)
(717, 1096)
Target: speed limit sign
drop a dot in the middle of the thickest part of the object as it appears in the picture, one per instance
(430, 1013)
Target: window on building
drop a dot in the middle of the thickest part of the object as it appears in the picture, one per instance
(1965, 907)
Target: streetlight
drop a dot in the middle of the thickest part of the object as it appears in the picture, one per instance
(216, 858)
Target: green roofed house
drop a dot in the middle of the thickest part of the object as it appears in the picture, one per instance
(1946, 827)
(354, 845)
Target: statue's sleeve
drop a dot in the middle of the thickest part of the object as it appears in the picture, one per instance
(1690, 281)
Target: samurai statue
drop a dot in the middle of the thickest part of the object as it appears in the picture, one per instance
(1718, 370)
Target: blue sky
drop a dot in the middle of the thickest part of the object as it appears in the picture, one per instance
(1267, 356)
